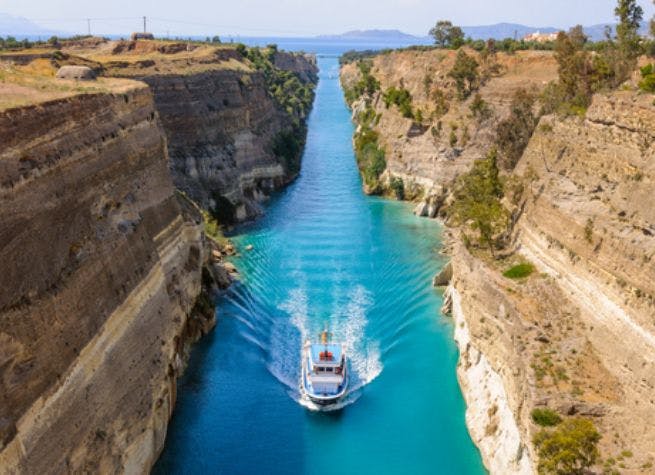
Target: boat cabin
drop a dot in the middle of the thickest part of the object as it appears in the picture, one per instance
(327, 359)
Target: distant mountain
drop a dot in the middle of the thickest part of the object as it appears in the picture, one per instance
(498, 31)
(368, 35)
(20, 28)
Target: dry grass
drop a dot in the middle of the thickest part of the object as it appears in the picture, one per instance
(36, 83)
(201, 57)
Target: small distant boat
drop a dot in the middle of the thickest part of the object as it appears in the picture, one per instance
(324, 371)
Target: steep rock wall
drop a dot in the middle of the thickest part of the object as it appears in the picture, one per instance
(100, 272)
(421, 153)
(578, 335)
(492, 370)
(589, 224)
(222, 124)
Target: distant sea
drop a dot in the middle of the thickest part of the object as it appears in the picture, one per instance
(320, 46)
(330, 47)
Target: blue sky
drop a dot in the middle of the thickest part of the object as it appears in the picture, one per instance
(303, 17)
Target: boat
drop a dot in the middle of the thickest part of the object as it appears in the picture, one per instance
(324, 377)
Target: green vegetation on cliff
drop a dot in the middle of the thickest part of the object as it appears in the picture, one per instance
(513, 134)
(545, 417)
(647, 82)
(288, 146)
(581, 73)
(400, 97)
(465, 73)
(370, 157)
(290, 93)
(477, 202)
(367, 84)
(570, 449)
(519, 271)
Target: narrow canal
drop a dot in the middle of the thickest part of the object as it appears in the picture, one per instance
(326, 254)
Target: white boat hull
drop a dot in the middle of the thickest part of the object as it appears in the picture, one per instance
(323, 390)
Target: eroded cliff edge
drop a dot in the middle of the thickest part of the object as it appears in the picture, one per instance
(576, 336)
(234, 118)
(106, 266)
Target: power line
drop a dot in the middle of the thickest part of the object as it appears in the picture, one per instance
(165, 22)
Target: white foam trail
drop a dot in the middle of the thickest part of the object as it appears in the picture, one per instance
(297, 307)
(284, 354)
(348, 323)
(365, 361)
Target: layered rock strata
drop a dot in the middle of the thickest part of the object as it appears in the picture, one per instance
(101, 269)
(222, 124)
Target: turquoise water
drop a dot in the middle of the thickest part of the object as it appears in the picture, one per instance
(326, 254)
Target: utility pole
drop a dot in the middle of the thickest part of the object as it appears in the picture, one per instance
(88, 26)
(144, 25)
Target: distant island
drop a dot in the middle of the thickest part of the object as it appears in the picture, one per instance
(395, 35)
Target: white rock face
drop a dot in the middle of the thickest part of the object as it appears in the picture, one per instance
(489, 418)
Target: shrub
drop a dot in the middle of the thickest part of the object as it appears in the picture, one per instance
(400, 97)
(285, 87)
(372, 163)
(480, 109)
(569, 449)
(545, 417)
(520, 271)
(441, 105)
(465, 73)
(370, 157)
(514, 133)
(397, 185)
(242, 49)
(647, 83)
(452, 140)
(367, 83)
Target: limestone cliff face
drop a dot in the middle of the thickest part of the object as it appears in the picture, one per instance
(100, 271)
(220, 127)
(304, 65)
(429, 154)
(589, 224)
(222, 124)
(577, 336)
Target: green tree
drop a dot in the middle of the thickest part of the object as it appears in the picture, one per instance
(477, 201)
(570, 449)
(465, 73)
(514, 133)
(629, 15)
(447, 35)
(575, 67)
(216, 39)
(242, 49)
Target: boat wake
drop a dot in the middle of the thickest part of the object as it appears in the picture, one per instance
(348, 324)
